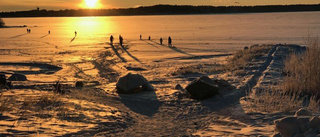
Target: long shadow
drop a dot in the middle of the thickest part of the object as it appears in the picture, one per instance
(201, 56)
(150, 43)
(135, 58)
(44, 36)
(44, 68)
(145, 103)
(117, 53)
(173, 48)
(18, 36)
(73, 39)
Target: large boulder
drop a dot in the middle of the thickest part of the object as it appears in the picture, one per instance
(287, 126)
(207, 79)
(303, 123)
(133, 83)
(178, 87)
(202, 88)
(17, 77)
(311, 133)
(314, 123)
(223, 84)
(79, 84)
(303, 112)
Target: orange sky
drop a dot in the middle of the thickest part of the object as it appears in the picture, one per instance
(14, 5)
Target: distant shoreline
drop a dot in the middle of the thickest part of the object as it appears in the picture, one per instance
(13, 26)
(155, 15)
(162, 10)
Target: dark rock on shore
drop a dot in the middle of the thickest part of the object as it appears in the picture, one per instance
(79, 84)
(302, 124)
(133, 83)
(202, 88)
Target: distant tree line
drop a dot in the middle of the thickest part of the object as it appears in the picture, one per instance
(162, 10)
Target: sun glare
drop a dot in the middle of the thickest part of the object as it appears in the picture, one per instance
(91, 3)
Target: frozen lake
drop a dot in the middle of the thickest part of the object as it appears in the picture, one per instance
(203, 45)
(216, 30)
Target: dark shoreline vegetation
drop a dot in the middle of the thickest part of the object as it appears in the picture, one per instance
(162, 10)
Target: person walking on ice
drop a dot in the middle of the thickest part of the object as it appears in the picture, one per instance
(120, 40)
(170, 42)
(111, 40)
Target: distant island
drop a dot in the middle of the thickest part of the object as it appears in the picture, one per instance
(161, 10)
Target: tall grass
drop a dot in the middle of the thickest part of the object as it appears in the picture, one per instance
(242, 58)
(6, 103)
(300, 88)
(273, 100)
(304, 71)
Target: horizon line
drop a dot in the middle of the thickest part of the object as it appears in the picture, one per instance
(158, 5)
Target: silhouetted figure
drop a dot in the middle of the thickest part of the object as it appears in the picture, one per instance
(75, 33)
(111, 40)
(161, 40)
(140, 37)
(169, 42)
(49, 32)
(57, 88)
(149, 38)
(27, 30)
(120, 40)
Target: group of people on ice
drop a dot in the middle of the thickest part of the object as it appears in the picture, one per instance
(120, 40)
(149, 38)
(161, 40)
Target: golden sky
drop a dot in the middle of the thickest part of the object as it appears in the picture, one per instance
(15, 5)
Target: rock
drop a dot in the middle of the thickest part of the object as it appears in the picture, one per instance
(298, 135)
(178, 87)
(314, 123)
(303, 112)
(79, 84)
(287, 127)
(200, 89)
(9, 84)
(276, 135)
(17, 77)
(206, 79)
(246, 48)
(3, 80)
(222, 83)
(303, 123)
(133, 83)
(311, 133)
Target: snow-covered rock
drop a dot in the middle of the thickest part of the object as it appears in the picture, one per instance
(133, 83)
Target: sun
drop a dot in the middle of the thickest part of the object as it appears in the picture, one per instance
(91, 3)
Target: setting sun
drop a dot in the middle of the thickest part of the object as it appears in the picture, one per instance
(91, 3)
